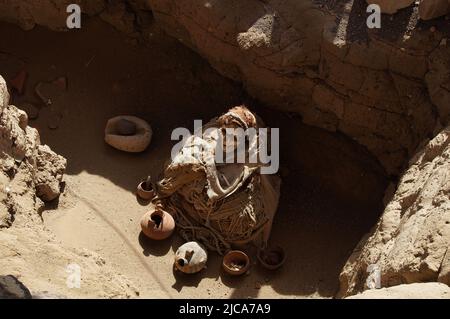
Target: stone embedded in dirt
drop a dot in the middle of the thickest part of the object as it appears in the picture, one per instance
(50, 170)
(430, 9)
(411, 241)
(429, 290)
(4, 95)
(12, 288)
(50, 92)
(23, 119)
(31, 110)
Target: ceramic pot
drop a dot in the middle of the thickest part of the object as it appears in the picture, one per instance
(272, 258)
(191, 258)
(135, 143)
(236, 262)
(157, 224)
(145, 192)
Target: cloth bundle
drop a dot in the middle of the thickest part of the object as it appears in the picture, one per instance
(219, 204)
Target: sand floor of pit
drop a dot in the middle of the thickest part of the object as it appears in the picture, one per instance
(331, 192)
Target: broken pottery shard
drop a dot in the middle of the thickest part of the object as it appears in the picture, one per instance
(4, 94)
(430, 9)
(61, 83)
(135, 143)
(48, 92)
(18, 82)
(429, 290)
(391, 6)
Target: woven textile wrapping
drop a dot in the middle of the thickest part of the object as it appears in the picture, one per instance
(220, 204)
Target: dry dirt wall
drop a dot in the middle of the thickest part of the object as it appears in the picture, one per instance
(410, 243)
(297, 56)
(388, 89)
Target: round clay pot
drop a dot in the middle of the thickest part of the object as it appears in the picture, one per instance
(272, 258)
(145, 193)
(236, 262)
(157, 224)
(118, 128)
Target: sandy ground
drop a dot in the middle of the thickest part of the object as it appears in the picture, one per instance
(331, 194)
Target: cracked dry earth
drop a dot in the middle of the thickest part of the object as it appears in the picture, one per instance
(95, 222)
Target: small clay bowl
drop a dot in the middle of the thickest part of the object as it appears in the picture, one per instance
(272, 258)
(144, 193)
(236, 263)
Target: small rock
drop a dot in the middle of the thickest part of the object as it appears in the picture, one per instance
(31, 110)
(23, 119)
(443, 42)
(12, 288)
(48, 91)
(433, 29)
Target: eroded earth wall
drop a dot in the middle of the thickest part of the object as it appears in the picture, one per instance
(411, 241)
(386, 88)
(31, 173)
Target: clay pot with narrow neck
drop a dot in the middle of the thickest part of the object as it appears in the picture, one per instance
(145, 191)
(157, 224)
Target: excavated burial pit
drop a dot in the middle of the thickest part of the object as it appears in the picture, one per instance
(332, 188)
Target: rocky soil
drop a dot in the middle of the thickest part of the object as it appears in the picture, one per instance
(409, 291)
(30, 173)
(411, 241)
